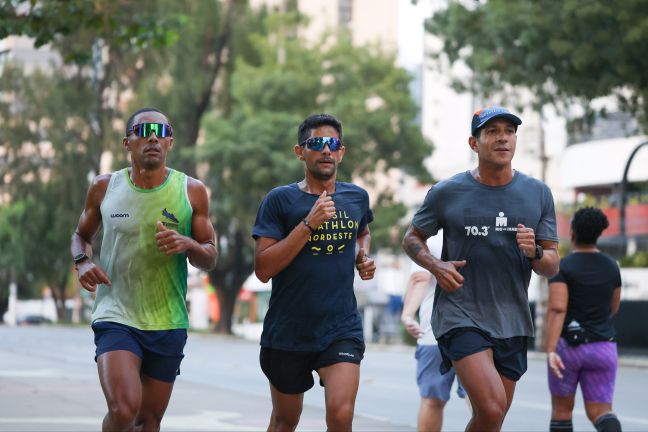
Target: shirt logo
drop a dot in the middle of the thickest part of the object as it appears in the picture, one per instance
(174, 221)
(328, 236)
(169, 216)
(119, 215)
(501, 220)
(346, 354)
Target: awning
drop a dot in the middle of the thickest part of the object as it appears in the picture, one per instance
(601, 163)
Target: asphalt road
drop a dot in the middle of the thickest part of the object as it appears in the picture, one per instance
(48, 382)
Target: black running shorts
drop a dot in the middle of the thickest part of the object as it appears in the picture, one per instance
(291, 372)
(509, 355)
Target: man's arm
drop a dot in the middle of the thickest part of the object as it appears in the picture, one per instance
(414, 244)
(89, 274)
(549, 264)
(418, 284)
(364, 264)
(201, 246)
(271, 255)
(546, 266)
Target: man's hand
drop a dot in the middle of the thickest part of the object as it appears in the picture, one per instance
(412, 326)
(556, 364)
(365, 265)
(322, 210)
(448, 276)
(525, 238)
(90, 275)
(171, 242)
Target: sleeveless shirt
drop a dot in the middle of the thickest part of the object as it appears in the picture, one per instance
(148, 288)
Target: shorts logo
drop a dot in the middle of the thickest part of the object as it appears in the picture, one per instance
(346, 354)
(119, 215)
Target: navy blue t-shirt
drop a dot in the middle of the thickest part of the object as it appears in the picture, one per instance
(591, 278)
(312, 303)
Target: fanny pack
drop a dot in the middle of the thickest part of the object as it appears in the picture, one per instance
(578, 336)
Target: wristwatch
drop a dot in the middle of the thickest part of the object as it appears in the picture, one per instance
(539, 252)
(78, 259)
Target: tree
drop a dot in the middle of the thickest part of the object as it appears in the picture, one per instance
(249, 149)
(56, 125)
(562, 51)
(185, 82)
(43, 169)
(46, 21)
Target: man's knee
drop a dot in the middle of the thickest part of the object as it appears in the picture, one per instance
(433, 403)
(149, 421)
(122, 415)
(284, 421)
(339, 416)
(607, 423)
(492, 411)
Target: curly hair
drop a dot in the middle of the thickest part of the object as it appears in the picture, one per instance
(587, 225)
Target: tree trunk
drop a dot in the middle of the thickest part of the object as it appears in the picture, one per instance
(226, 301)
(228, 277)
(58, 292)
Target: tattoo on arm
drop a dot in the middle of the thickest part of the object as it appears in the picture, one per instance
(412, 248)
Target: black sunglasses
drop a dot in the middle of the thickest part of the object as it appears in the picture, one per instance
(318, 143)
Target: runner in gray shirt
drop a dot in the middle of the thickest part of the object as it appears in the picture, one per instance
(498, 225)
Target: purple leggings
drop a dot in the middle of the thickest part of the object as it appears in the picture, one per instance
(593, 365)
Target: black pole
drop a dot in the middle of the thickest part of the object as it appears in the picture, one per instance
(622, 204)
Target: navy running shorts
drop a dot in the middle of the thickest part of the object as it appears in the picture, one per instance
(161, 351)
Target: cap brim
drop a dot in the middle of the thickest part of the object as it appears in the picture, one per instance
(508, 116)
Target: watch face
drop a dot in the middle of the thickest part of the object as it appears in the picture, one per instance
(79, 258)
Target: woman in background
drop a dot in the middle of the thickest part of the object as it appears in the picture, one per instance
(581, 346)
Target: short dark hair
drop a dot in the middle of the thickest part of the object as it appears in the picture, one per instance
(587, 225)
(313, 122)
(129, 123)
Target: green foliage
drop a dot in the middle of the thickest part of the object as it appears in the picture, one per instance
(638, 259)
(560, 50)
(124, 21)
(251, 150)
(182, 83)
(43, 168)
(55, 127)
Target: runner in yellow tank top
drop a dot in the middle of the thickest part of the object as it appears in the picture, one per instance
(153, 219)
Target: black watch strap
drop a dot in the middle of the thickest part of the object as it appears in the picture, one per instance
(78, 259)
(539, 252)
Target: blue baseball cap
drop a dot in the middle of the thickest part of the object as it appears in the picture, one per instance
(484, 115)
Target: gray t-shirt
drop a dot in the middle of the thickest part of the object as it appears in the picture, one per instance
(479, 225)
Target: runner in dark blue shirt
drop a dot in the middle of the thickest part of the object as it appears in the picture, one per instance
(309, 237)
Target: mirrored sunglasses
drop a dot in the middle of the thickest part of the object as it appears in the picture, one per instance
(318, 143)
(162, 130)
